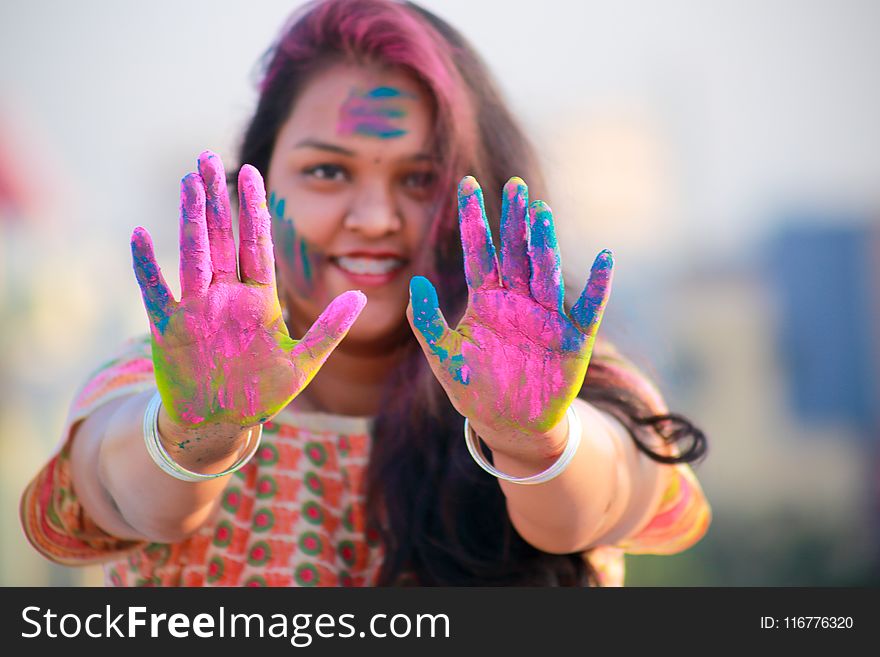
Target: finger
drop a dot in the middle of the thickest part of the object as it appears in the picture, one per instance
(480, 267)
(195, 251)
(587, 312)
(157, 297)
(441, 344)
(328, 330)
(515, 236)
(219, 216)
(256, 260)
(430, 326)
(545, 280)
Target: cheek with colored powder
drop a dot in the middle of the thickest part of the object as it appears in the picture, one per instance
(300, 257)
(377, 113)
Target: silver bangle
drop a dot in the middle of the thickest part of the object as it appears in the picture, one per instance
(574, 439)
(171, 467)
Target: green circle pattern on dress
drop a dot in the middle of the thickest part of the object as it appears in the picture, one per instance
(216, 566)
(266, 487)
(314, 484)
(310, 543)
(232, 499)
(307, 575)
(264, 520)
(316, 453)
(347, 518)
(267, 454)
(259, 554)
(313, 512)
(223, 533)
(347, 552)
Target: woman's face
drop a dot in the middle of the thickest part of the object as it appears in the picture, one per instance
(350, 188)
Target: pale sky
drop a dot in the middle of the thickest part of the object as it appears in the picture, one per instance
(754, 105)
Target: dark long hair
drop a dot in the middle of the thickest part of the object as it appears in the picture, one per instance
(442, 520)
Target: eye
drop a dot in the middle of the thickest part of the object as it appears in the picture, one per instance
(332, 172)
(419, 180)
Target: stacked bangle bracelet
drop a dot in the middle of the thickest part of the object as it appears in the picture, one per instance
(574, 438)
(168, 465)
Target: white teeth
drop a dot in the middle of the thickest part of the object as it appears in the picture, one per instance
(374, 266)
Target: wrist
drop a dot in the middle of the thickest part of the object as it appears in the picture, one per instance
(525, 466)
(528, 449)
(203, 447)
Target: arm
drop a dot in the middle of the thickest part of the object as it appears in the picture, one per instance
(223, 362)
(607, 492)
(123, 490)
(515, 363)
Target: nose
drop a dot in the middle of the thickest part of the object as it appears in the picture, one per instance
(374, 212)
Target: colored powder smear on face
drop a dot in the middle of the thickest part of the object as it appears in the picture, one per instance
(373, 113)
(295, 249)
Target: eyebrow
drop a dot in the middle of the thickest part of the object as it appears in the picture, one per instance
(324, 146)
(333, 148)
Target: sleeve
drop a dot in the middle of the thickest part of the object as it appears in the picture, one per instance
(680, 521)
(53, 520)
(682, 514)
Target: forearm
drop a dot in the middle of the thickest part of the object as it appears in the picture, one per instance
(126, 493)
(605, 493)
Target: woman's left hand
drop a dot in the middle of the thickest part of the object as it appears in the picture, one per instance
(516, 360)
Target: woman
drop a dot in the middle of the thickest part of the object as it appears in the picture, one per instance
(369, 113)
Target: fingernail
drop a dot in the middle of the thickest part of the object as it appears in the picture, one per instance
(468, 186)
(541, 219)
(422, 292)
(605, 254)
(193, 193)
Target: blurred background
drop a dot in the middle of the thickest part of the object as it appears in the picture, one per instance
(728, 151)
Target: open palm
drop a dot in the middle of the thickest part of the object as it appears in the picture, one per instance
(222, 354)
(516, 360)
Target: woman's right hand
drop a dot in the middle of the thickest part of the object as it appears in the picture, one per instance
(223, 354)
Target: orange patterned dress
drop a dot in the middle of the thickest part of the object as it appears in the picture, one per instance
(293, 516)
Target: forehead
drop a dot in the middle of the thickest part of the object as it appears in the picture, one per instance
(366, 106)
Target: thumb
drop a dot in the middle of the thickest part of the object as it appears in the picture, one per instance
(328, 330)
(587, 312)
(427, 321)
(158, 299)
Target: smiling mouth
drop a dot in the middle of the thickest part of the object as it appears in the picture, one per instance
(369, 266)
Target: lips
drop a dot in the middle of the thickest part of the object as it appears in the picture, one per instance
(369, 265)
(369, 268)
